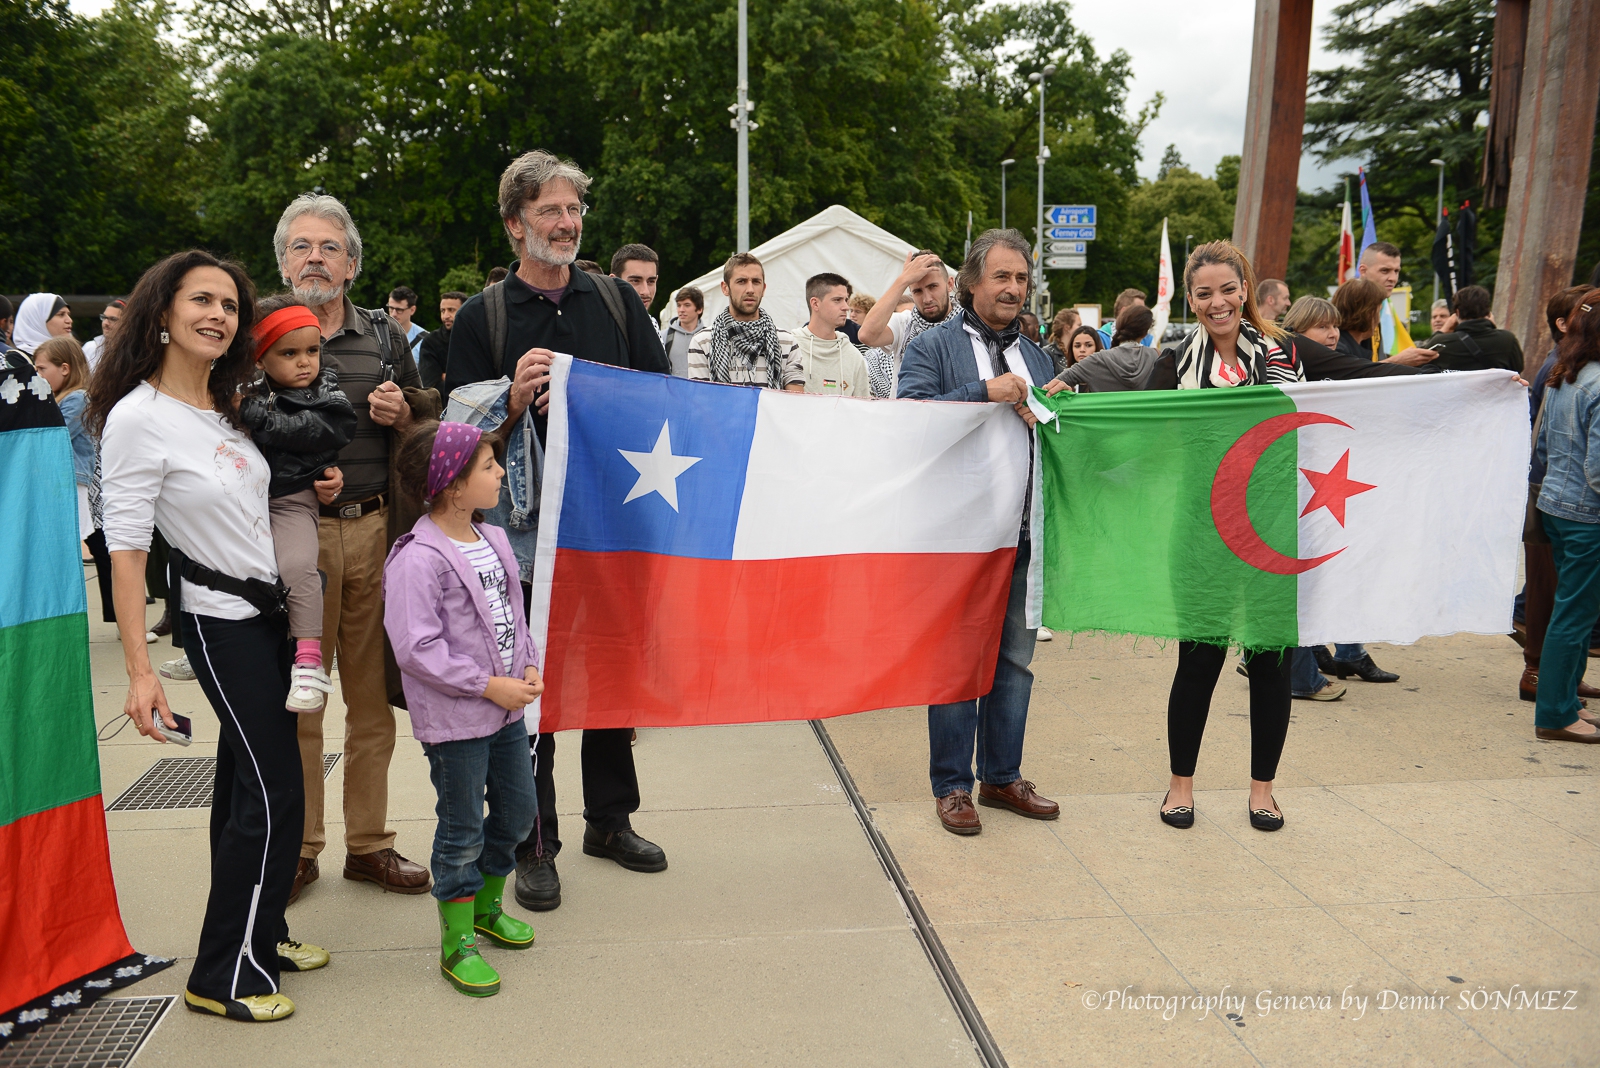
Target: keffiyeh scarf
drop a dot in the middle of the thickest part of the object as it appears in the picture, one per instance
(916, 324)
(747, 346)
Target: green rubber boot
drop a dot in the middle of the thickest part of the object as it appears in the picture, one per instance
(490, 920)
(459, 960)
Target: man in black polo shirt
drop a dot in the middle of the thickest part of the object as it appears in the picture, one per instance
(549, 307)
(319, 255)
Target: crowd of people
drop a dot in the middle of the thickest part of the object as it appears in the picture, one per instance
(309, 482)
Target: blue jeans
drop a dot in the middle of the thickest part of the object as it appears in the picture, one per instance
(467, 845)
(995, 721)
(1576, 550)
(1349, 653)
(1303, 674)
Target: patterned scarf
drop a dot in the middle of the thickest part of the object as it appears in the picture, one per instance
(917, 324)
(1199, 355)
(747, 347)
(997, 342)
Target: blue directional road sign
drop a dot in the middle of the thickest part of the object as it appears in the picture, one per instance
(1070, 215)
(1069, 233)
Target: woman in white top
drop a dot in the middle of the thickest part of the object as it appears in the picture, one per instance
(164, 401)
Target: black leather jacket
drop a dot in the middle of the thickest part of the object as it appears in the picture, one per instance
(299, 431)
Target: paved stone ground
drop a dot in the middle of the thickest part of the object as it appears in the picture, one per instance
(1429, 837)
(1433, 848)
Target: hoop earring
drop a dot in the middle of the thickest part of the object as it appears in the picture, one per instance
(166, 338)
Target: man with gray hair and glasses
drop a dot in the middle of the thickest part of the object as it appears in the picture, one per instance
(319, 256)
(512, 330)
(979, 354)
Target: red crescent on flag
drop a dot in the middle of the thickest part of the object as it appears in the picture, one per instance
(1229, 491)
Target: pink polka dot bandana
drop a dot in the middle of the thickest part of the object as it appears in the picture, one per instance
(453, 448)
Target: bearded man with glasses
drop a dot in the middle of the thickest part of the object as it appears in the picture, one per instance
(319, 255)
(512, 330)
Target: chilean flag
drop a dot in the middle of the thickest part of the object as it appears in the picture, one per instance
(727, 554)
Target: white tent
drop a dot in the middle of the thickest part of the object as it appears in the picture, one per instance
(835, 239)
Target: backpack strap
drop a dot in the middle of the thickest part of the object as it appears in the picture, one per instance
(389, 361)
(494, 309)
(612, 299)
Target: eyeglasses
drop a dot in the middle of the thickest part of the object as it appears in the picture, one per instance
(109, 318)
(559, 211)
(397, 309)
(302, 248)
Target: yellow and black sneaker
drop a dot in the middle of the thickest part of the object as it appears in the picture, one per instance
(301, 956)
(254, 1008)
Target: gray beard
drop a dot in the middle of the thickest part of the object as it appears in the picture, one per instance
(316, 292)
(537, 248)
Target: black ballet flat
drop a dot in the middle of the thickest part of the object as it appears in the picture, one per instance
(1264, 819)
(1181, 817)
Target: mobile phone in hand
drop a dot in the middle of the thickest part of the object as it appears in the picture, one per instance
(183, 735)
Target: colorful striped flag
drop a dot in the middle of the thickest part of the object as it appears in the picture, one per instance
(1369, 228)
(63, 943)
(1384, 509)
(725, 554)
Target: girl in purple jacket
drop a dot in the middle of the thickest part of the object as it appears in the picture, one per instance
(453, 610)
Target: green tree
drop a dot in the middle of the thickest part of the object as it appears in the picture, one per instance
(100, 166)
(1415, 91)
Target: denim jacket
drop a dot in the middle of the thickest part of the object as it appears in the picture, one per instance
(72, 406)
(1569, 446)
(483, 405)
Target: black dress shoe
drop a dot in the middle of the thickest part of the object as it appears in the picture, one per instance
(1324, 659)
(1264, 819)
(538, 886)
(624, 847)
(1363, 669)
(1181, 817)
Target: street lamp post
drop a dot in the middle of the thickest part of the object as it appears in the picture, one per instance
(1186, 239)
(1039, 78)
(1438, 216)
(1003, 165)
(741, 122)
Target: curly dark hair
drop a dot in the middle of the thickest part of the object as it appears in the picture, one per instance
(416, 451)
(1580, 345)
(135, 352)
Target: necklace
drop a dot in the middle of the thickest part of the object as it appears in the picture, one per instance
(204, 405)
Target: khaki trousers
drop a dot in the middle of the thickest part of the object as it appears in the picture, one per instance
(351, 553)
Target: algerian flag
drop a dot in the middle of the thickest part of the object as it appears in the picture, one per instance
(1268, 517)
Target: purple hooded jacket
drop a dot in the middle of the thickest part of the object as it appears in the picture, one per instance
(438, 620)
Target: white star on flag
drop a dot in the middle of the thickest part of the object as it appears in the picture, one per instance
(658, 469)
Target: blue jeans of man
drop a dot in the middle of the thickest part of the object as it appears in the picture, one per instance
(467, 845)
(994, 723)
(1304, 678)
(1349, 653)
(1576, 549)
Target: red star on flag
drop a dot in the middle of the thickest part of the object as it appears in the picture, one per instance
(1331, 489)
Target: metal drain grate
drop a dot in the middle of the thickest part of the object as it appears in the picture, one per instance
(106, 1034)
(181, 782)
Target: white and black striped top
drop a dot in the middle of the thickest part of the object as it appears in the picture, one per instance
(483, 560)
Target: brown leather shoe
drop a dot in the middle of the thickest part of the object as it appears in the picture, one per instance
(307, 872)
(1528, 688)
(957, 814)
(1562, 734)
(389, 870)
(1019, 798)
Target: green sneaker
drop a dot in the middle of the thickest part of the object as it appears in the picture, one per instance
(490, 920)
(459, 960)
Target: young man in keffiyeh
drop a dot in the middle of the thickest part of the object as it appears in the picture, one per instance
(928, 282)
(742, 345)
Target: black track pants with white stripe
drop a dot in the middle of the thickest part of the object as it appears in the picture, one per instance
(257, 806)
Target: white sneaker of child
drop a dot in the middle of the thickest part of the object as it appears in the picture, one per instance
(309, 687)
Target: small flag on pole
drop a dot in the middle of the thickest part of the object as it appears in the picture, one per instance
(1347, 241)
(1163, 308)
(1369, 228)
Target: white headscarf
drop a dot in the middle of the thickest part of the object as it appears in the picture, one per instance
(30, 331)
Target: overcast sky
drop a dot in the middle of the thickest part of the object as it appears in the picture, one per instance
(1170, 42)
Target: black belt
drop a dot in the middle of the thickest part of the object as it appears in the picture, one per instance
(271, 599)
(353, 510)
